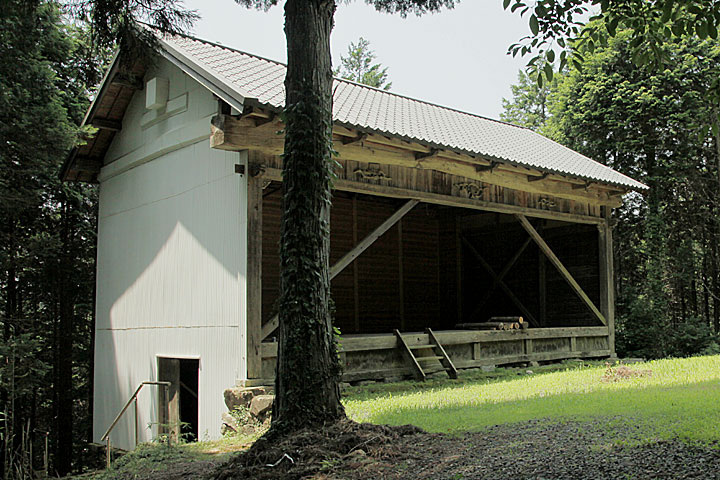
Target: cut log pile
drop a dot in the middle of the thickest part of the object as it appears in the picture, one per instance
(496, 323)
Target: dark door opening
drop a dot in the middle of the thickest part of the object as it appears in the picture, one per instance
(189, 370)
(179, 403)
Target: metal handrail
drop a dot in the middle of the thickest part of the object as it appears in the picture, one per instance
(133, 398)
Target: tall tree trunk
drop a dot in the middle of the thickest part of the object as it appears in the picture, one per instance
(63, 408)
(307, 390)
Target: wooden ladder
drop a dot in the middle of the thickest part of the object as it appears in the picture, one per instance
(422, 363)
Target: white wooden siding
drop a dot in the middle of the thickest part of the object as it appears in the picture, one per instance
(171, 261)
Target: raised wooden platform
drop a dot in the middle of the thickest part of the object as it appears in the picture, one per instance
(377, 356)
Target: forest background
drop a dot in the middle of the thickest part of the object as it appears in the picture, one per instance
(653, 124)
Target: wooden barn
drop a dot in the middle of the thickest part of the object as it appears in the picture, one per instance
(441, 222)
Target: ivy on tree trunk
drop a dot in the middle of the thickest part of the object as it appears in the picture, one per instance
(308, 369)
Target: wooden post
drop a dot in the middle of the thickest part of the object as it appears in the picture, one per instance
(459, 259)
(542, 288)
(254, 271)
(356, 271)
(607, 277)
(401, 274)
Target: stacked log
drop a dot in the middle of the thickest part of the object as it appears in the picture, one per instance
(496, 323)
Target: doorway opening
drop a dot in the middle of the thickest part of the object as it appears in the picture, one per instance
(179, 404)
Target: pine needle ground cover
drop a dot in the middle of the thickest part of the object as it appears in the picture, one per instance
(664, 399)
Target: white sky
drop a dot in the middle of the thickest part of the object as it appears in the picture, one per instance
(455, 58)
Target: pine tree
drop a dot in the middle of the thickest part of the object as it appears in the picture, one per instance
(358, 66)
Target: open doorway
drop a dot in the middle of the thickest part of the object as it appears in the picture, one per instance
(179, 403)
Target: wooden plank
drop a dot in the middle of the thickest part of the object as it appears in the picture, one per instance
(387, 341)
(607, 277)
(503, 286)
(488, 293)
(444, 358)
(349, 257)
(254, 273)
(560, 267)
(417, 369)
(169, 398)
(440, 199)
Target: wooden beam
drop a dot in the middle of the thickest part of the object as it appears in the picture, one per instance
(560, 267)
(87, 164)
(105, 124)
(401, 276)
(501, 276)
(229, 133)
(388, 341)
(537, 178)
(358, 139)
(128, 80)
(607, 277)
(487, 168)
(448, 200)
(254, 273)
(433, 152)
(356, 251)
(370, 239)
(502, 284)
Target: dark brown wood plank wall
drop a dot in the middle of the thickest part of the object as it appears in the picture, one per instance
(575, 245)
(429, 267)
(378, 283)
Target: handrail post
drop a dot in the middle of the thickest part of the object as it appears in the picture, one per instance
(108, 454)
(132, 399)
(136, 423)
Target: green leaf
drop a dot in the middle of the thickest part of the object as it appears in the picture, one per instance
(540, 80)
(702, 29)
(548, 72)
(561, 42)
(534, 27)
(506, 4)
(540, 11)
(550, 55)
(667, 11)
(612, 26)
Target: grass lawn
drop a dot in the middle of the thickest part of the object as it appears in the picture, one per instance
(677, 398)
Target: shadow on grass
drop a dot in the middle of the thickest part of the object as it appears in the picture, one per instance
(690, 412)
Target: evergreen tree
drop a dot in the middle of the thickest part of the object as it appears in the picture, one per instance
(46, 236)
(529, 104)
(358, 66)
(653, 126)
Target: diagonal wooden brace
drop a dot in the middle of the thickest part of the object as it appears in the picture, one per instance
(502, 284)
(560, 267)
(349, 257)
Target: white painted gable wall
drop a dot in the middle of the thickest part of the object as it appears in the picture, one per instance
(171, 259)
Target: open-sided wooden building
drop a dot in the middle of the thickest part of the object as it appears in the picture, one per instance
(440, 219)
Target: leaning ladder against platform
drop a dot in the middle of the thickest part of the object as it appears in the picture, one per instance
(421, 363)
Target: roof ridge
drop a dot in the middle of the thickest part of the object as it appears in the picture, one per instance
(351, 82)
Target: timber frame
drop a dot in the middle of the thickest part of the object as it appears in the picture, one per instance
(379, 166)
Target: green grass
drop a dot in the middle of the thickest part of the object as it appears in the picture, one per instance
(678, 400)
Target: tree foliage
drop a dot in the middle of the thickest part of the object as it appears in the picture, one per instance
(529, 104)
(653, 126)
(46, 236)
(358, 66)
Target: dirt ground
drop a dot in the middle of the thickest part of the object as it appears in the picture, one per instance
(535, 450)
(530, 450)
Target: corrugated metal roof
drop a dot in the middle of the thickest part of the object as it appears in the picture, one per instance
(374, 110)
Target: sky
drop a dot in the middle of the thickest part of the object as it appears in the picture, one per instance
(455, 58)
